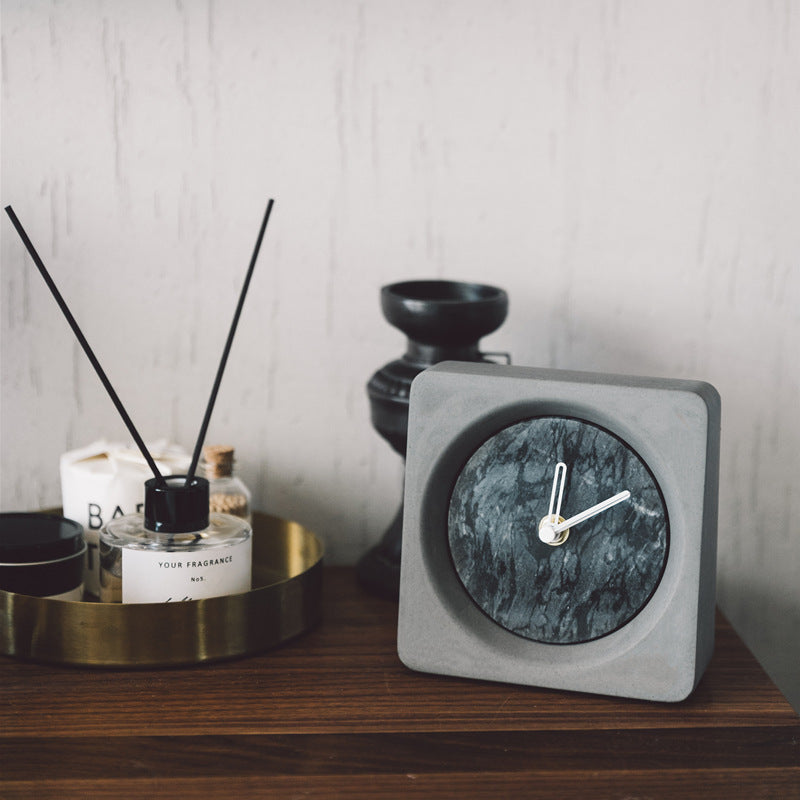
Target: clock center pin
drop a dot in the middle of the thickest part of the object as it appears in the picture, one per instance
(547, 530)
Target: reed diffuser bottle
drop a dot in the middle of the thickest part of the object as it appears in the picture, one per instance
(176, 550)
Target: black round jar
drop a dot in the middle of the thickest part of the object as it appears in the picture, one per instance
(41, 555)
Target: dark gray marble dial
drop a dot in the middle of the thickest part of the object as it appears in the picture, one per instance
(606, 570)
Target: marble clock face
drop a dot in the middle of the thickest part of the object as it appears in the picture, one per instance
(606, 570)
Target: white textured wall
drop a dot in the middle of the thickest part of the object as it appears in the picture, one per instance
(628, 171)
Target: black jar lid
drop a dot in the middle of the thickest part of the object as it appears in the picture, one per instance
(27, 538)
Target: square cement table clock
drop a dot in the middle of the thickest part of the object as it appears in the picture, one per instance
(560, 529)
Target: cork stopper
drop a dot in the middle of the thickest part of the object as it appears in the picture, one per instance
(218, 461)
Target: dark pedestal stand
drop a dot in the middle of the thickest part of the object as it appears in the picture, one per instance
(444, 321)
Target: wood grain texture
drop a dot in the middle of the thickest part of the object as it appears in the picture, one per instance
(335, 714)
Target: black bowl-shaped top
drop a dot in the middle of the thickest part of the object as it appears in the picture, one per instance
(444, 313)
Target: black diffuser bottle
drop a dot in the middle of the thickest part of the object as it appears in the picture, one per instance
(444, 321)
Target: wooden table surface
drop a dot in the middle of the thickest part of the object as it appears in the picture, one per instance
(335, 714)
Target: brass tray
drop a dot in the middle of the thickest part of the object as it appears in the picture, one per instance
(285, 601)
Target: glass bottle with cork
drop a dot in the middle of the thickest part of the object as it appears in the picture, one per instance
(227, 493)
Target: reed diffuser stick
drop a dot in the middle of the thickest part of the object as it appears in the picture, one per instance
(210, 407)
(85, 345)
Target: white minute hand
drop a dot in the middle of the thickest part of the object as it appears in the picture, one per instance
(591, 512)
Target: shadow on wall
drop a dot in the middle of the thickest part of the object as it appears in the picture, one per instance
(769, 623)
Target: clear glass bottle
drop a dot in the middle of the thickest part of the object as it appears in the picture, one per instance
(176, 550)
(227, 492)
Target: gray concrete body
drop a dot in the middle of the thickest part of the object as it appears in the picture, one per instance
(673, 425)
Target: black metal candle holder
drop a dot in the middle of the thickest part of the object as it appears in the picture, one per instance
(444, 321)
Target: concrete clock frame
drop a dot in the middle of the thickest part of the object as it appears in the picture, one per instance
(672, 425)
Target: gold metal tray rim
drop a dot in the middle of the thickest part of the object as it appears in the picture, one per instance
(284, 603)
